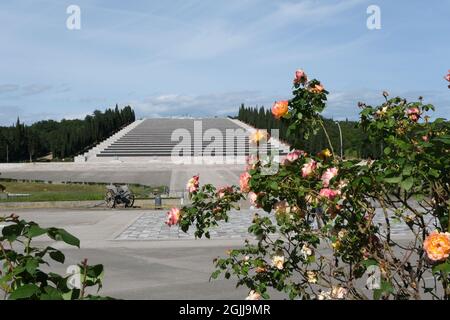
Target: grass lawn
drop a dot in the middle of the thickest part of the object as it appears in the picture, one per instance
(63, 192)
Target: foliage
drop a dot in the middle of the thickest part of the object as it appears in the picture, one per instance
(22, 273)
(319, 237)
(63, 139)
(355, 141)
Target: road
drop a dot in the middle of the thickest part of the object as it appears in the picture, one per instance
(152, 174)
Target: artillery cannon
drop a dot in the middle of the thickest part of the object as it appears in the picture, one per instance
(119, 195)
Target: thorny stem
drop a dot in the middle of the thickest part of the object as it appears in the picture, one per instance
(83, 287)
(328, 137)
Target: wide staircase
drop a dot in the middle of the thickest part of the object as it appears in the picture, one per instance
(156, 138)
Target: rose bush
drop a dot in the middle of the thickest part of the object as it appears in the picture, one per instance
(322, 236)
(21, 273)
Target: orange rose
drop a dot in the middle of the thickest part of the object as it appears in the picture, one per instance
(280, 109)
(437, 245)
(260, 270)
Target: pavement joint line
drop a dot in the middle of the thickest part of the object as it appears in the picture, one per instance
(125, 228)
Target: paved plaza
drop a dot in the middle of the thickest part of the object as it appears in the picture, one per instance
(151, 226)
(144, 258)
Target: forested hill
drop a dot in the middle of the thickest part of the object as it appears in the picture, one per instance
(65, 138)
(355, 142)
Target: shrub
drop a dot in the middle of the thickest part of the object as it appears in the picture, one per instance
(21, 274)
(321, 239)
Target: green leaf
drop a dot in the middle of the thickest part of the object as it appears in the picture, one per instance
(68, 295)
(274, 185)
(443, 267)
(407, 170)
(385, 287)
(407, 183)
(369, 262)
(419, 197)
(215, 274)
(445, 140)
(96, 271)
(387, 150)
(433, 173)
(51, 294)
(24, 292)
(36, 231)
(393, 180)
(11, 232)
(63, 235)
(58, 256)
(31, 266)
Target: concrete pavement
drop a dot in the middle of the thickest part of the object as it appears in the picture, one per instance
(145, 259)
(170, 269)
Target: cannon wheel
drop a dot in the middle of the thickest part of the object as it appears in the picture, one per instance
(110, 199)
(130, 204)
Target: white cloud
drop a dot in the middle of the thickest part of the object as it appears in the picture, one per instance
(6, 88)
(214, 104)
(33, 89)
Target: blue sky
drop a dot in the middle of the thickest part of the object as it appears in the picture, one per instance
(202, 58)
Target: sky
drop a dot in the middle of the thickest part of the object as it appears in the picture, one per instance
(205, 58)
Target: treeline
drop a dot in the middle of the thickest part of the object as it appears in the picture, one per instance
(355, 142)
(63, 139)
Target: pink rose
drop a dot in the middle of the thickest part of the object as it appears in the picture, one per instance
(223, 191)
(251, 161)
(413, 114)
(413, 110)
(414, 117)
(300, 76)
(253, 295)
(173, 216)
(294, 155)
(253, 197)
(244, 182)
(329, 174)
(425, 138)
(309, 168)
(192, 185)
(328, 193)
